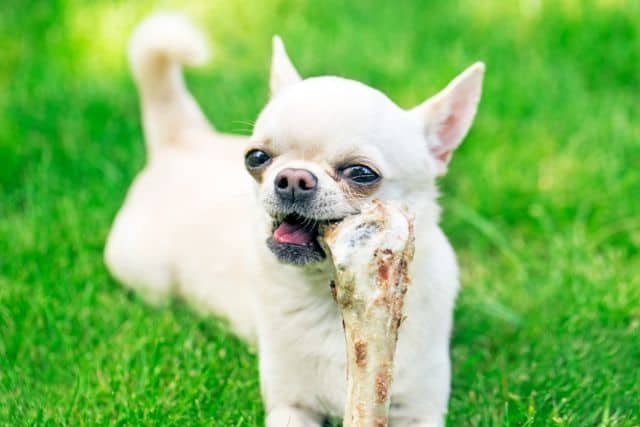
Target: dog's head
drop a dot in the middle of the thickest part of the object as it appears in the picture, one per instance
(324, 145)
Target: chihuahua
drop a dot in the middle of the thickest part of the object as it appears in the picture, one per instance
(232, 224)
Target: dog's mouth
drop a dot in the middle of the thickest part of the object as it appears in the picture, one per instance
(294, 239)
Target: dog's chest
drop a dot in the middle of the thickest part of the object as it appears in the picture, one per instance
(305, 350)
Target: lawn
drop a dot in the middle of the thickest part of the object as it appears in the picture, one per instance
(542, 203)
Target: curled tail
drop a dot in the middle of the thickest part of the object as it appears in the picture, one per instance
(158, 48)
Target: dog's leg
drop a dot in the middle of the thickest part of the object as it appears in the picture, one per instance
(289, 416)
(158, 47)
(423, 407)
(426, 404)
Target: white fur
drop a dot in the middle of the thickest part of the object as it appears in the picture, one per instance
(283, 73)
(192, 223)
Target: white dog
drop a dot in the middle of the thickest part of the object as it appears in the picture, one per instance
(244, 245)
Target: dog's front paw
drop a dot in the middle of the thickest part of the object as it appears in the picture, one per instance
(428, 421)
(289, 416)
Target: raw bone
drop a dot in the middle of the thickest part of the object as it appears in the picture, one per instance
(371, 253)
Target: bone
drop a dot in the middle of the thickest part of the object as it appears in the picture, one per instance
(371, 253)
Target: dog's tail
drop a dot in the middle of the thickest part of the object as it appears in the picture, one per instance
(159, 46)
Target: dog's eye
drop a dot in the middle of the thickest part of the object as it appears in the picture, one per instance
(360, 174)
(256, 159)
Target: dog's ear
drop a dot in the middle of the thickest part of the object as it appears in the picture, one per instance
(447, 116)
(283, 73)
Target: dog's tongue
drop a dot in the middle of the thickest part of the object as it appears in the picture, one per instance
(293, 233)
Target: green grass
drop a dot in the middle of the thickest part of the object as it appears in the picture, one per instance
(542, 204)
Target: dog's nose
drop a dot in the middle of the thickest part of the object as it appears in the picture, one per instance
(295, 184)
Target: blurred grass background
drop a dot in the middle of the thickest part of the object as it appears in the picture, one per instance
(542, 203)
